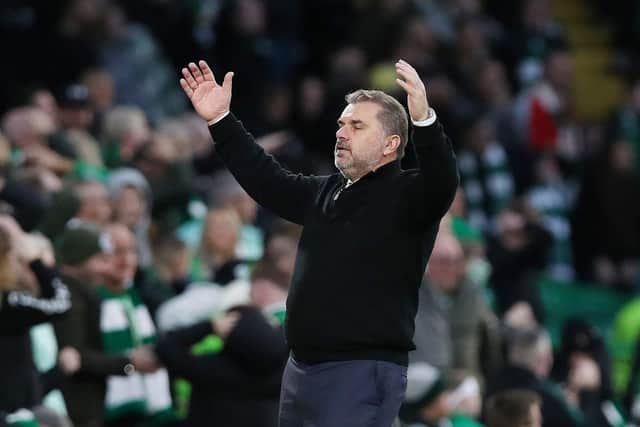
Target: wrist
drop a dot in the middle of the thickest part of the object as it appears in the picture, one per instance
(218, 118)
(427, 121)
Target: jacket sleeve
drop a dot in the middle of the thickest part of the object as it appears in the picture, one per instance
(214, 370)
(21, 310)
(436, 163)
(256, 345)
(286, 194)
(72, 330)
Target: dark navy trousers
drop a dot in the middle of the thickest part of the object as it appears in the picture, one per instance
(354, 393)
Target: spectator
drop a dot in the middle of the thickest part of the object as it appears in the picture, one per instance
(227, 192)
(20, 385)
(581, 348)
(282, 245)
(529, 363)
(607, 220)
(450, 313)
(218, 248)
(514, 408)
(76, 116)
(94, 206)
(170, 178)
(625, 123)
(83, 254)
(238, 386)
(126, 328)
(485, 174)
(131, 205)
(125, 131)
(517, 253)
(552, 196)
(168, 276)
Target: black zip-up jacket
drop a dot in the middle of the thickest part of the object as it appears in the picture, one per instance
(20, 383)
(364, 248)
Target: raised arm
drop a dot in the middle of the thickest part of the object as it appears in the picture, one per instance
(21, 310)
(431, 146)
(286, 194)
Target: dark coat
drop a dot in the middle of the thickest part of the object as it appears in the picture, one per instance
(238, 387)
(84, 393)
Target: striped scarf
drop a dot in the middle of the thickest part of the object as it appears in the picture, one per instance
(126, 324)
(487, 182)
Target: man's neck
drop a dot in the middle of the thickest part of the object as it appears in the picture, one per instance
(356, 177)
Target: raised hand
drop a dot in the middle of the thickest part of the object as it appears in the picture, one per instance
(209, 99)
(409, 80)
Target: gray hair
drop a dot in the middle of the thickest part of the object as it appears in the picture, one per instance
(526, 346)
(392, 116)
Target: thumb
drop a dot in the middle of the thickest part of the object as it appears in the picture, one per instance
(228, 80)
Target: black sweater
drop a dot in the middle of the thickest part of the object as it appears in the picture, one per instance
(363, 250)
(20, 385)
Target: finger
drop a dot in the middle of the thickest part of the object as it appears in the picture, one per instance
(406, 64)
(404, 85)
(196, 72)
(412, 78)
(407, 71)
(189, 78)
(228, 80)
(407, 79)
(402, 65)
(206, 72)
(186, 88)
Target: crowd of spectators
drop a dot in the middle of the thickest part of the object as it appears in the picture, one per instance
(140, 285)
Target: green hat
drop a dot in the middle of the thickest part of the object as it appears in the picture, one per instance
(424, 385)
(79, 241)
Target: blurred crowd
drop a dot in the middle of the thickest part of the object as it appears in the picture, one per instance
(140, 285)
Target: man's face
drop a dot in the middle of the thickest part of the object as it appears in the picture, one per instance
(125, 256)
(95, 270)
(222, 228)
(129, 207)
(446, 264)
(360, 140)
(96, 206)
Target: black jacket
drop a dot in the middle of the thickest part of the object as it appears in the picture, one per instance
(238, 387)
(363, 250)
(84, 393)
(20, 385)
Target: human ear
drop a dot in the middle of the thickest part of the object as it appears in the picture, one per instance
(391, 144)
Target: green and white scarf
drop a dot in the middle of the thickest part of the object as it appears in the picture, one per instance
(487, 182)
(126, 324)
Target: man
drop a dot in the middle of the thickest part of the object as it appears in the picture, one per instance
(239, 385)
(126, 327)
(514, 408)
(530, 360)
(368, 232)
(83, 254)
(450, 314)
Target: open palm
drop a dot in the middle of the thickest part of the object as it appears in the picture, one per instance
(209, 99)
